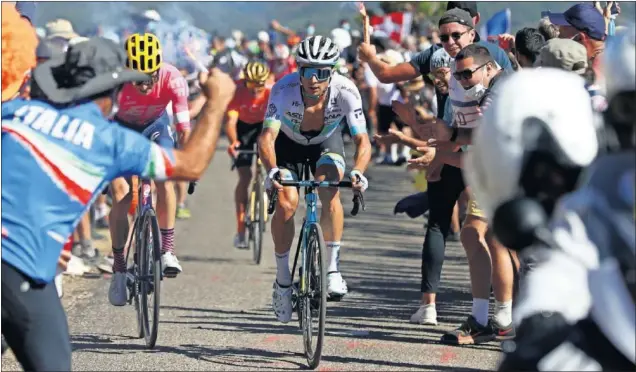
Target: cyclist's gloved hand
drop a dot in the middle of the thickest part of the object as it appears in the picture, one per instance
(271, 180)
(360, 182)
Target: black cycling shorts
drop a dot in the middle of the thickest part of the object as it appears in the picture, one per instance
(248, 135)
(290, 155)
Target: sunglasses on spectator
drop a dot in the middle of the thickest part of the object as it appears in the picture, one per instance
(467, 74)
(321, 74)
(254, 84)
(455, 35)
(154, 78)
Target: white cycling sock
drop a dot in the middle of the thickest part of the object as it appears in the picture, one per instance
(334, 256)
(283, 276)
(480, 310)
(503, 313)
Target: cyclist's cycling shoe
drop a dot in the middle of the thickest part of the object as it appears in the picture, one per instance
(118, 291)
(170, 265)
(282, 302)
(336, 286)
(240, 243)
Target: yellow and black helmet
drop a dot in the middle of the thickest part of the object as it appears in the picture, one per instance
(144, 53)
(256, 71)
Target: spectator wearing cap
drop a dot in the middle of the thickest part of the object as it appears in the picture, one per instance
(420, 63)
(59, 32)
(568, 55)
(263, 44)
(475, 75)
(527, 46)
(19, 43)
(585, 24)
(39, 336)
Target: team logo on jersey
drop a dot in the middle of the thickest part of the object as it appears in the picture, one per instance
(296, 104)
(357, 113)
(271, 110)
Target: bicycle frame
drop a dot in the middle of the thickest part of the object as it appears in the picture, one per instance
(257, 178)
(143, 188)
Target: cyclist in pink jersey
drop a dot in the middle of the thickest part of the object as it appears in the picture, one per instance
(143, 108)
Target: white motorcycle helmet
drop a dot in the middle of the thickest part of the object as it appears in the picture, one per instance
(538, 117)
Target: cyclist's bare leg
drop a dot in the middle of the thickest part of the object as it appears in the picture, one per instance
(283, 232)
(332, 214)
(166, 213)
(118, 218)
(241, 198)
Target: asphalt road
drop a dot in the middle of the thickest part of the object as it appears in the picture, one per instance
(217, 314)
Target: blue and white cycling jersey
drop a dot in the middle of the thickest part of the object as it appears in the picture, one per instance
(55, 163)
(286, 109)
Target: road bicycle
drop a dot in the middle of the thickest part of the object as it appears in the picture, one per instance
(255, 216)
(309, 298)
(145, 275)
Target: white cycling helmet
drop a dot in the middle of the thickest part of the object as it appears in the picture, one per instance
(534, 109)
(318, 51)
(619, 63)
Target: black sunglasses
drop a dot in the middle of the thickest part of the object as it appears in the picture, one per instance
(455, 35)
(467, 74)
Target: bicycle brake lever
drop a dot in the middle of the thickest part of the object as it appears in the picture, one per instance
(273, 198)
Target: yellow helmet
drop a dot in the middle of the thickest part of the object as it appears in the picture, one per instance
(256, 71)
(144, 53)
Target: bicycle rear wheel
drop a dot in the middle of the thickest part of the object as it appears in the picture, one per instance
(150, 279)
(313, 300)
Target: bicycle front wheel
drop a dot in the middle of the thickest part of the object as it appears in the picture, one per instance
(258, 224)
(313, 300)
(150, 269)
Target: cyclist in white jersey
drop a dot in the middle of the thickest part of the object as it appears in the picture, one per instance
(305, 116)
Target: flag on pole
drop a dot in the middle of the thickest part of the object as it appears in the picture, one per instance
(499, 23)
(397, 24)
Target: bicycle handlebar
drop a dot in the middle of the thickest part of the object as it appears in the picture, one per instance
(239, 152)
(358, 199)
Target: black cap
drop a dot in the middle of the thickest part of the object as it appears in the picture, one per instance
(86, 69)
(469, 6)
(457, 16)
(460, 16)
